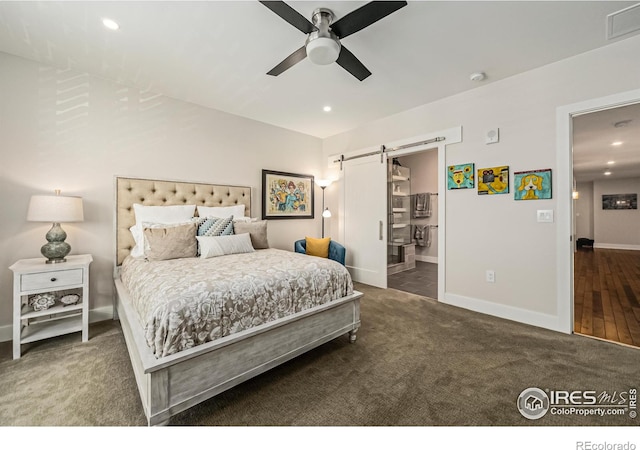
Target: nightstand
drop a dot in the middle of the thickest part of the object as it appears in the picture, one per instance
(34, 276)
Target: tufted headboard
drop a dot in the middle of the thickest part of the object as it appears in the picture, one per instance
(158, 193)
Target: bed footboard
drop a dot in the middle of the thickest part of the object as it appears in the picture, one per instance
(175, 383)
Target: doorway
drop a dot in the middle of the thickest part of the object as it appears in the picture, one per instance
(413, 223)
(606, 173)
(363, 215)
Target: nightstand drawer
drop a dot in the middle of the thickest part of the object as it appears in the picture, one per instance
(55, 279)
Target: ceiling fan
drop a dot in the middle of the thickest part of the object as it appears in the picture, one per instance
(323, 44)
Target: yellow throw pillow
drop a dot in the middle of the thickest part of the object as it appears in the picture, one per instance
(318, 247)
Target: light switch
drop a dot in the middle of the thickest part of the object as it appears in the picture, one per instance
(545, 215)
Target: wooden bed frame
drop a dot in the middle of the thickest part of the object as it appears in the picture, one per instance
(177, 382)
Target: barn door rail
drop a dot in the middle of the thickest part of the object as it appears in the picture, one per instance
(384, 150)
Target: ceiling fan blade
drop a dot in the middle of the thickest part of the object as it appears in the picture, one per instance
(289, 61)
(290, 15)
(364, 16)
(352, 64)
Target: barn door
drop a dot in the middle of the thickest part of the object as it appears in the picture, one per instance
(364, 214)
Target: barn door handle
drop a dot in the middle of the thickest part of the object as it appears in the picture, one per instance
(380, 238)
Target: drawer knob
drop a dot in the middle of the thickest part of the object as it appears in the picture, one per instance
(54, 279)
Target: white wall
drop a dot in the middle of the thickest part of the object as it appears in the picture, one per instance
(424, 178)
(583, 209)
(616, 228)
(495, 232)
(68, 130)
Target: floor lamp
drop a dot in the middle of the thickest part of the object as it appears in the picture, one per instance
(325, 211)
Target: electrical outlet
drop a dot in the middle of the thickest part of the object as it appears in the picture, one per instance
(491, 276)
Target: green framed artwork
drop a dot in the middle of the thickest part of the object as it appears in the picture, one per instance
(460, 177)
(532, 184)
(493, 180)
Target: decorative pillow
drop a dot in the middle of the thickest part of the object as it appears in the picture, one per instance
(221, 211)
(318, 247)
(214, 226)
(170, 214)
(170, 242)
(212, 246)
(244, 219)
(257, 231)
(138, 234)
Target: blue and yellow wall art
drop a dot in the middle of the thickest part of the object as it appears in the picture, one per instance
(532, 184)
(493, 180)
(460, 177)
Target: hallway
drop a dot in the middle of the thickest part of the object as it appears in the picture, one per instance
(607, 295)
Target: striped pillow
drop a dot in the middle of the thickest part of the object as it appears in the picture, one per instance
(214, 226)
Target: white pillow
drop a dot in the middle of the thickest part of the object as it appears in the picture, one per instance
(163, 214)
(171, 214)
(244, 219)
(221, 211)
(212, 246)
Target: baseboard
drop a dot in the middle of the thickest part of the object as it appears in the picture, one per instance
(618, 246)
(95, 315)
(429, 259)
(504, 311)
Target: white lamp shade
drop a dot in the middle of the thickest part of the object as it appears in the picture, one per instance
(323, 50)
(323, 183)
(55, 209)
(326, 213)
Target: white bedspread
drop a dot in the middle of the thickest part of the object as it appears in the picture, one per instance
(186, 302)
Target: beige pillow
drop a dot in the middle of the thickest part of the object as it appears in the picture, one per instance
(257, 231)
(171, 242)
(212, 246)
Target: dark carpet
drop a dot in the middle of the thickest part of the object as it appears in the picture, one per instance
(416, 362)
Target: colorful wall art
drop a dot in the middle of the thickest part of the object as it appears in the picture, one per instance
(532, 184)
(460, 177)
(493, 180)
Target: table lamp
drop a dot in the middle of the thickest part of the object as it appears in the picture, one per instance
(55, 209)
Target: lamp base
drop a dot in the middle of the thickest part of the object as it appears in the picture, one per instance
(55, 261)
(56, 248)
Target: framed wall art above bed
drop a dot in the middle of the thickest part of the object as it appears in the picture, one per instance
(287, 195)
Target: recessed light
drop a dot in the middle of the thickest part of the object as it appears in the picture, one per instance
(607, 173)
(327, 108)
(110, 24)
(611, 162)
(616, 143)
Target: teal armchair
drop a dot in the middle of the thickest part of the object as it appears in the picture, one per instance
(337, 252)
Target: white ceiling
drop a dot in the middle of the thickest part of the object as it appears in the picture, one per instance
(593, 135)
(217, 53)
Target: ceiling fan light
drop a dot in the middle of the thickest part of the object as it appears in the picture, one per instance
(323, 50)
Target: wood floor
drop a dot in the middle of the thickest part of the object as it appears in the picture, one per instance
(607, 294)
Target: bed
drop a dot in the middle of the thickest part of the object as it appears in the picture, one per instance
(172, 381)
